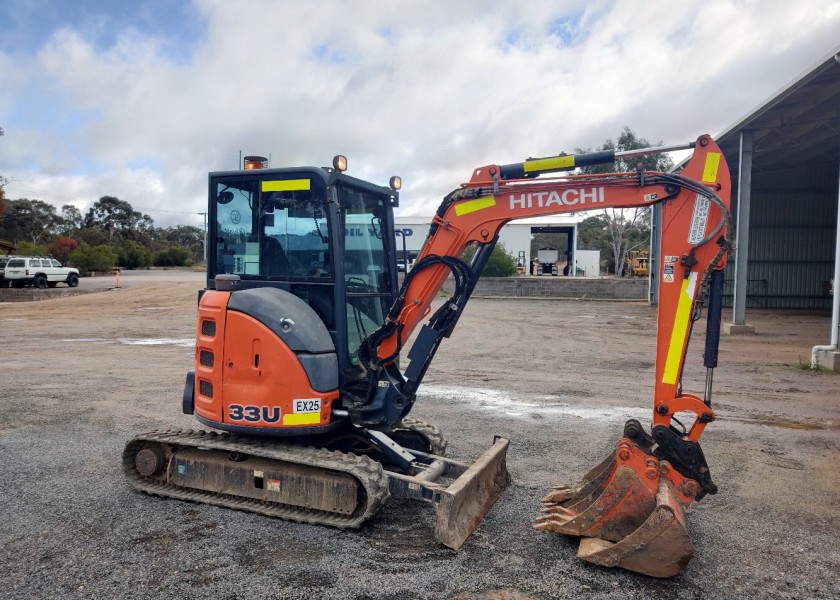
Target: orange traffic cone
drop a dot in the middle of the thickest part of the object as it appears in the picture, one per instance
(117, 286)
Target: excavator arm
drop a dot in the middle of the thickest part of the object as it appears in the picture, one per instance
(620, 504)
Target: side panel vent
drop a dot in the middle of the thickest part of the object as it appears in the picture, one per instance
(205, 388)
(208, 328)
(205, 358)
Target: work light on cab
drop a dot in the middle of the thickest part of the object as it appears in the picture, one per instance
(340, 163)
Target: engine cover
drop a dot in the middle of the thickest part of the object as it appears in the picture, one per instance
(264, 363)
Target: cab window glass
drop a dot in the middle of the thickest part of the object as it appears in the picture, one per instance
(272, 228)
(366, 267)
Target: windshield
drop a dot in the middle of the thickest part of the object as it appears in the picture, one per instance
(272, 228)
(366, 267)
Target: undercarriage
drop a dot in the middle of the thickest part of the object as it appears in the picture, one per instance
(319, 484)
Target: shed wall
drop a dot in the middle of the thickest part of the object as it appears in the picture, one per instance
(792, 232)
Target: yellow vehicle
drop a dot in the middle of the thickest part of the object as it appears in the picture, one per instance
(638, 263)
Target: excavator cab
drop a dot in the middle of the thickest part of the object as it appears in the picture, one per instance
(318, 234)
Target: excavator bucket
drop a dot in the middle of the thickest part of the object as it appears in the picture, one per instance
(629, 511)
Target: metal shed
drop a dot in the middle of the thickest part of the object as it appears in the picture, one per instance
(784, 157)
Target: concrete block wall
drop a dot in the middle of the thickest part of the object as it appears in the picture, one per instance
(28, 294)
(589, 288)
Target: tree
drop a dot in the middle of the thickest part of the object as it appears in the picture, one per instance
(27, 220)
(500, 264)
(4, 181)
(116, 220)
(186, 236)
(71, 219)
(593, 234)
(61, 248)
(628, 229)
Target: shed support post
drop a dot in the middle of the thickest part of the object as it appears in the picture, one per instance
(828, 357)
(742, 239)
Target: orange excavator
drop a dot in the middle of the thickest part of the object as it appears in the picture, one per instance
(302, 325)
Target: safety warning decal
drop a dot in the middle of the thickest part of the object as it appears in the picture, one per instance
(672, 259)
(699, 219)
(668, 274)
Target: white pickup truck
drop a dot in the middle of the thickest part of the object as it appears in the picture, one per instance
(38, 271)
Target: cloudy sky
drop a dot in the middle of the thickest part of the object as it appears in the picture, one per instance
(141, 99)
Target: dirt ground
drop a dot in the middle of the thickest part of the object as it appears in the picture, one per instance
(83, 374)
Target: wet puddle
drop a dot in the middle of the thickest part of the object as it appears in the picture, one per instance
(525, 406)
(182, 343)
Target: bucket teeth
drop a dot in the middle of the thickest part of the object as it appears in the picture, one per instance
(560, 494)
(628, 512)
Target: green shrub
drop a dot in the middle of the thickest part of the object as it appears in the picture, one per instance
(30, 249)
(500, 264)
(173, 256)
(133, 255)
(93, 258)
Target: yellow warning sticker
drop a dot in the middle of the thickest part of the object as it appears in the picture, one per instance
(301, 418)
(471, 206)
(286, 185)
(545, 164)
(710, 170)
(680, 330)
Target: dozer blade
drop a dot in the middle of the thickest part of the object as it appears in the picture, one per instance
(463, 504)
(630, 512)
(460, 506)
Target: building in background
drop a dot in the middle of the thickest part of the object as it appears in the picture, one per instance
(516, 237)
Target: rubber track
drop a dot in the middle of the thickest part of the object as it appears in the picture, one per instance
(366, 471)
(432, 433)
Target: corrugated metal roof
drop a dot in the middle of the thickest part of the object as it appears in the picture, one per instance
(800, 123)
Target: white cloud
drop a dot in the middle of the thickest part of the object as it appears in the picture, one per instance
(427, 91)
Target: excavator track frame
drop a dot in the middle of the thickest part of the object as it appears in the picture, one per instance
(459, 506)
(369, 474)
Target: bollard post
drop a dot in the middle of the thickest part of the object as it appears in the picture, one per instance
(117, 273)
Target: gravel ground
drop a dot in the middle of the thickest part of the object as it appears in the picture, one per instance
(83, 374)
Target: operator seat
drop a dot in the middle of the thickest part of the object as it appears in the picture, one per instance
(273, 260)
